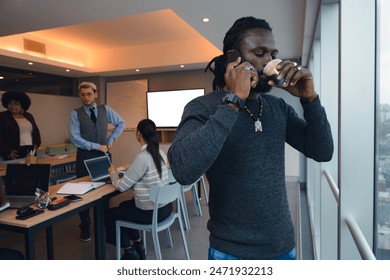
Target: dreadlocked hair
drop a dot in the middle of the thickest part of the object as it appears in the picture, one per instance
(232, 40)
(147, 128)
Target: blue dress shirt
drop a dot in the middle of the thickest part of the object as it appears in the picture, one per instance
(74, 128)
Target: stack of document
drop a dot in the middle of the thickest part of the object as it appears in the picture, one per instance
(79, 188)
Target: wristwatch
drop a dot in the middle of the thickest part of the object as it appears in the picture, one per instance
(230, 97)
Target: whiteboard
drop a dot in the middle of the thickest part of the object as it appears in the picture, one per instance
(128, 99)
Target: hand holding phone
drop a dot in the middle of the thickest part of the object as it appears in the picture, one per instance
(242, 77)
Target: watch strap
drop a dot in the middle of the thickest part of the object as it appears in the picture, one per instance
(231, 97)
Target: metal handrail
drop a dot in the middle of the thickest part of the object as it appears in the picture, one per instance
(360, 241)
(363, 247)
(333, 187)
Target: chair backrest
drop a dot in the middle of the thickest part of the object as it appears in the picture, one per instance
(171, 178)
(165, 194)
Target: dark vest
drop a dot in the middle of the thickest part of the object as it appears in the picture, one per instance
(94, 132)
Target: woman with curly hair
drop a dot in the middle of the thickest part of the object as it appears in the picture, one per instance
(19, 134)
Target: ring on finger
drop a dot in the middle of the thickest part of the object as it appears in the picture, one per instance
(249, 68)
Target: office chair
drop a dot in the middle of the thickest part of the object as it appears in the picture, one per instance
(158, 195)
(206, 194)
(195, 199)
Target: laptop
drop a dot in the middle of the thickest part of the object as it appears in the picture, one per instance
(98, 169)
(4, 204)
(21, 181)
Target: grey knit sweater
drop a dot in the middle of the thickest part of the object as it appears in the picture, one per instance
(249, 213)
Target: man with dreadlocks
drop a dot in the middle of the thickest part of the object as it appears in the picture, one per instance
(237, 135)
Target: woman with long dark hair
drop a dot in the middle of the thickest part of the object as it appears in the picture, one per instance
(149, 168)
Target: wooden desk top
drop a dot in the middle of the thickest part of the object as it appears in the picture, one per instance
(7, 216)
(53, 160)
(58, 159)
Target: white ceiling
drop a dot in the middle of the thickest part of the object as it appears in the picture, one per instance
(115, 37)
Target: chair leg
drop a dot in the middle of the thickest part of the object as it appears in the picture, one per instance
(118, 242)
(183, 237)
(184, 210)
(169, 237)
(206, 195)
(195, 199)
(156, 244)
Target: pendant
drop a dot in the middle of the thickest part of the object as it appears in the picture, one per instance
(258, 126)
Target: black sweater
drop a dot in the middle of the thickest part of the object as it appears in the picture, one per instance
(249, 213)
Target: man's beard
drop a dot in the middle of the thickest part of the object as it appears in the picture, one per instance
(262, 85)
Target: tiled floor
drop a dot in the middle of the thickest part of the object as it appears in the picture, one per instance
(67, 245)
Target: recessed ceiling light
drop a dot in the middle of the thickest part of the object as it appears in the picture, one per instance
(30, 63)
(205, 19)
(136, 70)
(182, 66)
(1, 77)
(67, 70)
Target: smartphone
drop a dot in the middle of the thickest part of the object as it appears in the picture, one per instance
(234, 55)
(73, 197)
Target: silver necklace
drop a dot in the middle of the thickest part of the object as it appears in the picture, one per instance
(258, 125)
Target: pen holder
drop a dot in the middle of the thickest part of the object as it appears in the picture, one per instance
(30, 159)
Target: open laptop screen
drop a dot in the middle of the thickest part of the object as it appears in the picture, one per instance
(98, 167)
(23, 179)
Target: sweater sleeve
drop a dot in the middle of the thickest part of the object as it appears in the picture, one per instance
(311, 136)
(133, 175)
(5, 149)
(199, 139)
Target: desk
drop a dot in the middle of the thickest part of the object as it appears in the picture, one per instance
(56, 160)
(95, 199)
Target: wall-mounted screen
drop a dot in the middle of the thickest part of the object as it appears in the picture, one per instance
(165, 108)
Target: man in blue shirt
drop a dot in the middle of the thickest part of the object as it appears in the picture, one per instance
(88, 131)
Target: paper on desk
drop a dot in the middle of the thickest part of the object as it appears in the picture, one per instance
(79, 188)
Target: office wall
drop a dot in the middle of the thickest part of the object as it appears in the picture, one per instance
(51, 113)
(128, 99)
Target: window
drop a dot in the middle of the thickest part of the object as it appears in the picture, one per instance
(383, 133)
